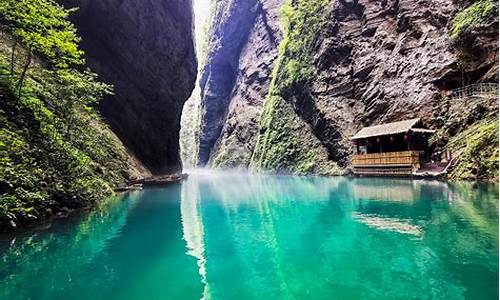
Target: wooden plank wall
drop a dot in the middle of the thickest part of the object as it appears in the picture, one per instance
(388, 158)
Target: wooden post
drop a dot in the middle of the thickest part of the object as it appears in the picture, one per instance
(407, 138)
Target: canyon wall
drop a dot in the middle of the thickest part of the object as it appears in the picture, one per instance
(146, 50)
(369, 62)
(342, 65)
(244, 40)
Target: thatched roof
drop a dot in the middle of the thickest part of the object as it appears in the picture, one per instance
(386, 129)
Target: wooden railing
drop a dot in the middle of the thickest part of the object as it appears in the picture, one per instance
(387, 158)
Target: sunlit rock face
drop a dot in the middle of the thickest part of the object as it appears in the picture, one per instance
(146, 50)
(385, 61)
(235, 79)
(372, 62)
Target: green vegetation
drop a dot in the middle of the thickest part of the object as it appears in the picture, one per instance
(285, 142)
(477, 150)
(230, 157)
(477, 13)
(469, 129)
(302, 20)
(55, 152)
(190, 124)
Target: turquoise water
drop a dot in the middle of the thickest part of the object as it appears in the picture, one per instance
(235, 236)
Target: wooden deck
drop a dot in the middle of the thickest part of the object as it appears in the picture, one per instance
(387, 164)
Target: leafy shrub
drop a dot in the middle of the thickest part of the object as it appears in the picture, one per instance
(477, 13)
(55, 151)
(478, 151)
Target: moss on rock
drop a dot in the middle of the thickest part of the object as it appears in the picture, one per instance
(285, 142)
(288, 145)
(477, 13)
(477, 151)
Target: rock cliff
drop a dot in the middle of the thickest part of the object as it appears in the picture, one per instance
(146, 50)
(343, 65)
(235, 80)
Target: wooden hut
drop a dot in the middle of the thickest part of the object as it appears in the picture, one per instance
(397, 148)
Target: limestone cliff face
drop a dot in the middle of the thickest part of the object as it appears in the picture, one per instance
(390, 60)
(146, 50)
(363, 63)
(235, 79)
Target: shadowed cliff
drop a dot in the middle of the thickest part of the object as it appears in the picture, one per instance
(146, 50)
(242, 49)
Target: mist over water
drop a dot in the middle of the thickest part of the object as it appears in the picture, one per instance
(232, 235)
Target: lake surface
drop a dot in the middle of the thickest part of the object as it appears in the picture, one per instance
(236, 236)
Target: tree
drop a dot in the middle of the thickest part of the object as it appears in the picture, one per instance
(43, 29)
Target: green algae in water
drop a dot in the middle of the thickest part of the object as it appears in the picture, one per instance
(235, 236)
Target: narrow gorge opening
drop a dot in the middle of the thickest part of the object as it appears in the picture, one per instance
(191, 113)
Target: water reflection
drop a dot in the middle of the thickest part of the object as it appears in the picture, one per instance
(193, 228)
(389, 224)
(45, 253)
(378, 189)
(131, 249)
(305, 237)
(239, 236)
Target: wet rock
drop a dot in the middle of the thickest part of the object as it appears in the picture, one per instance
(154, 181)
